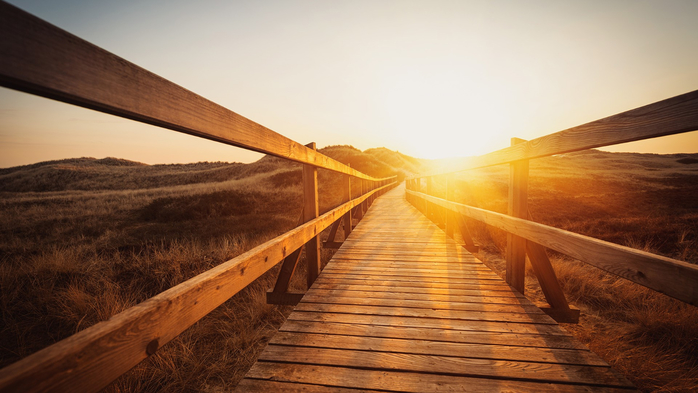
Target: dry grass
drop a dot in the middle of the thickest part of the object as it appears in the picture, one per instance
(642, 201)
(84, 239)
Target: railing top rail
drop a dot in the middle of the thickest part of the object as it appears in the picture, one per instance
(667, 117)
(86, 75)
(666, 275)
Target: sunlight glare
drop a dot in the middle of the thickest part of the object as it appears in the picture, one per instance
(445, 115)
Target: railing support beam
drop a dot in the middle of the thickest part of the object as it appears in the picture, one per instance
(559, 309)
(465, 234)
(347, 217)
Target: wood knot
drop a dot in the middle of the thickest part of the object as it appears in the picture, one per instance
(152, 347)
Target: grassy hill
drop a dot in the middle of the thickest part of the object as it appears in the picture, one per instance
(90, 174)
(83, 239)
(644, 201)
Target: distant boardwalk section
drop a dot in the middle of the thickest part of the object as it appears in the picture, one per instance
(402, 307)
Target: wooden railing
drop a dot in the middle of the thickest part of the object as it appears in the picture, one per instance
(675, 278)
(39, 58)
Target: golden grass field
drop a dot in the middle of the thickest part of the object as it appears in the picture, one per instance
(84, 239)
(644, 201)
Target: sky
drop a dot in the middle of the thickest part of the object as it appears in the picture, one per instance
(431, 79)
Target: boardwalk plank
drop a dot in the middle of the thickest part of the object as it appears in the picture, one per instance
(369, 256)
(396, 282)
(403, 308)
(316, 297)
(425, 347)
(456, 324)
(531, 371)
(414, 273)
(435, 334)
(399, 290)
(407, 382)
(319, 294)
(416, 279)
(433, 313)
(266, 386)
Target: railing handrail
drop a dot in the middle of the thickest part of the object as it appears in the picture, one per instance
(666, 275)
(86, 75)
(671, 116)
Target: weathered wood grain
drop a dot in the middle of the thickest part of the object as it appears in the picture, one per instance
(401, 290)
(413, 272)
(389, 255)
(463, 265)
(431, 285)
(406, 236)
(431, 313)
(408, 382)
(561, 341)
(413, 279)
(410, 248)
(321, 294)
(482, 304)
(407, 321)
(439, 348)
(266, 386)
(425, 253)
(527, 371)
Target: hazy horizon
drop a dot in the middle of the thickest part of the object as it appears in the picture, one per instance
(429, 79)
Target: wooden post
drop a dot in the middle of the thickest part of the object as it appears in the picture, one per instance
(359, 210)
(364, 189)
(311, 210)
(429, 208)
(424, 202)
(347, 198)
(450, 216)
(280, 295)
(442, 212)
(518, 207)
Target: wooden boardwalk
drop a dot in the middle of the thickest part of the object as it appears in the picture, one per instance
(402, 307)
